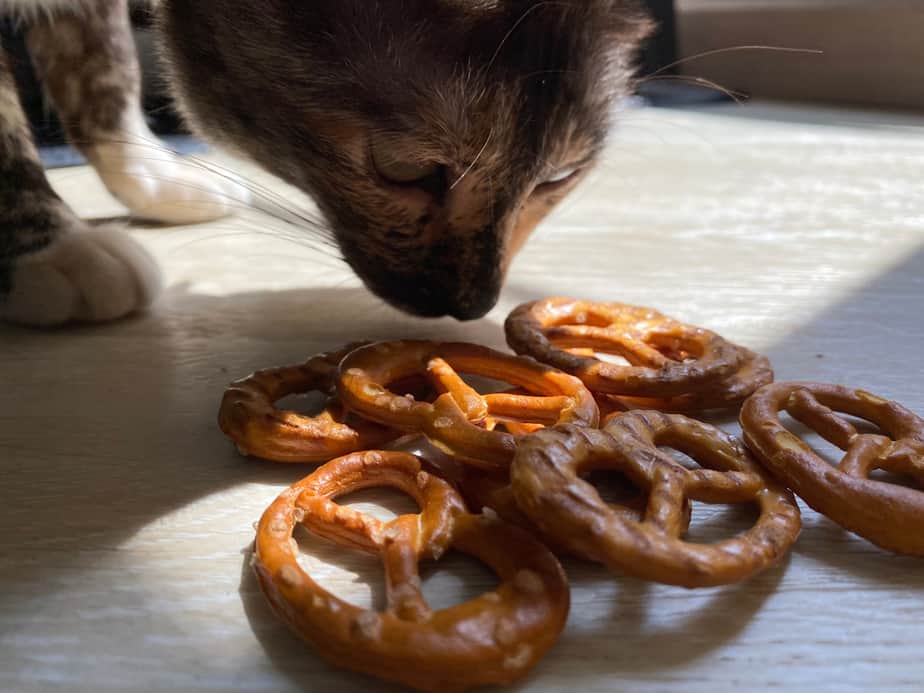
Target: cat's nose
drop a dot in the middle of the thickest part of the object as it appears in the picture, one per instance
(473, 307)
(434, 299)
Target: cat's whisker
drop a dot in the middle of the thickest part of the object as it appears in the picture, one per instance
(733, 49)
(236, 233)
(737, 96)
(269, 204)
(539, 73)
(234, 202)
(516, 25)
(213, 168)
(475, 161)
(283, 227)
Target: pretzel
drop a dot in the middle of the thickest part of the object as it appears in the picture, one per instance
(461, 421)
(248, 416)
(666, 357)
(756, 371)
(547, 488)
(485, 492)
(493, 639)
(889, 515)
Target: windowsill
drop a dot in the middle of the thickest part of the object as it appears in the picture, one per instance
(872, 55)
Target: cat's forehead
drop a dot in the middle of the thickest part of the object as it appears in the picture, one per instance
(488, 73)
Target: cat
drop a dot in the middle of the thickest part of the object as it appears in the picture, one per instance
(434, 135)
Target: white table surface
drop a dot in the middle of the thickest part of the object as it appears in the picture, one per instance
(126, 515)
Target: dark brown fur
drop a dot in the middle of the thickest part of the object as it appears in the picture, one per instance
(492, 99)
(499, 94)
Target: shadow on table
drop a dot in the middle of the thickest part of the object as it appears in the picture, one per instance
(116, 424)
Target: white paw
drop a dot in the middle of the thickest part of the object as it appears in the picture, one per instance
(156, 184)
(88, 276)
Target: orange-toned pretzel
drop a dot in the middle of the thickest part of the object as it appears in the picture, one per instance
(889, 515)
(248, 415)
(461, 421)
(756, 371)
(666, 357)
(547, 487)
(493, 639)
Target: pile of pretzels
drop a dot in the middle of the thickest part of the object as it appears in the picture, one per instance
(503, 477)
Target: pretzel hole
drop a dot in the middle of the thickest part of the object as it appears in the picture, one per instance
(624, 357)
(588, 318)
(614, 487)
(415, 386)
(614, 359)
(352, 575)
(715, 523)
(306, 403)
(897, 479)
(681, 457)
(383, 503)
(485, 385)
(681, 349)
(456, 578)
(826, 450)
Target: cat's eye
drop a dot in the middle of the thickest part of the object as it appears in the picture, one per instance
(398, 169)
(559, 177)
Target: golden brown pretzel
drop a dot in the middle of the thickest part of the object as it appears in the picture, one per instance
(461, 420)
(756, 371)
(889, 515)
(249, 417)
(494, 639)
(547, 487)
(666, 357)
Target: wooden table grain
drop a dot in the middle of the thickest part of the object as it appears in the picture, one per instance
(127, 518)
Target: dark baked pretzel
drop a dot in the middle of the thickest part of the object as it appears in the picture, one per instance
(462, 421)
(889, 515)
(547, 487)
(484, 492)
(666, 357)
(248, 415)
(756, 371)
(493, 639)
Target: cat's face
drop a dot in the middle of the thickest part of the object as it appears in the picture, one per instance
(433, 134)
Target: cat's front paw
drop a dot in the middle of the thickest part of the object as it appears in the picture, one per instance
(85, 276)
(158, 185)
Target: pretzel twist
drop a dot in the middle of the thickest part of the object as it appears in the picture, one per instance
(548, 489)
(248, 416)
(889, 515)
(666, 357)
(462, 421)
(493, 639)
(755, 372)
(483, 492)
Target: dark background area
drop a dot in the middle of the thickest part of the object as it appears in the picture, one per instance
(660, 51)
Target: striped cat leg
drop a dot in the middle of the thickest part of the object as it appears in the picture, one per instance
(53, 268)
(86, 58)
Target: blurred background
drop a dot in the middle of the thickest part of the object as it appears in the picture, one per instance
(872, 56)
